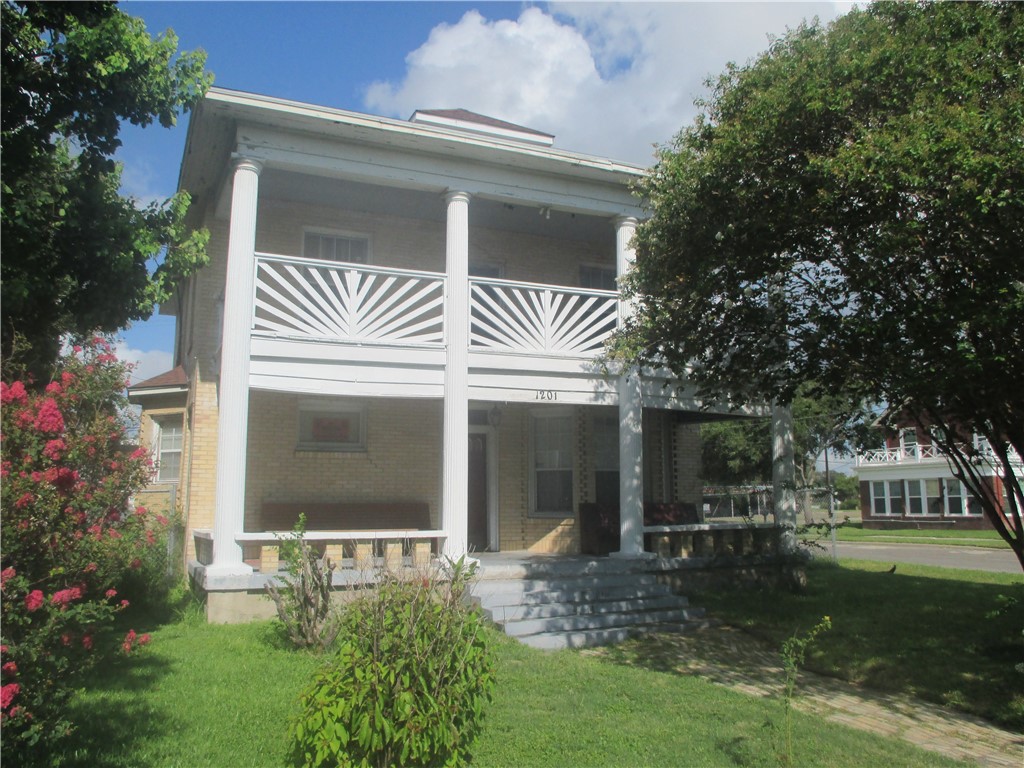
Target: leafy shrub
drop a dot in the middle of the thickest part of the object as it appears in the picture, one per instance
(71, 540)
(304, 601)
(409, 682)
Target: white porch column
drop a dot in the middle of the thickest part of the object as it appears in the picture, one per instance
(454, 491)
(233, 390)
(784, 475)
(631, 451)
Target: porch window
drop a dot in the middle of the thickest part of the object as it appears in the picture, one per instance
(168, 449)
(552, 465)
(330, 246)
(955, 502)
(324, 427)
(933, 488)
(598, 278)
(887, 497)
(915, 501)
(606, 461)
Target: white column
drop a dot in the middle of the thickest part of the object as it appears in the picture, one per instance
(631, 451)
(233, 390)
(454, 491)
(784, 476)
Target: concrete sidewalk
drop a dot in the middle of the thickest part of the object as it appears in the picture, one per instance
(730, 657)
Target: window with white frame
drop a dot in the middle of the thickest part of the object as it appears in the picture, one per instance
(605, 446)
(915, 497)
(599, 278)
(908, 443)
(331, 427)
(167, 448)
(333, 246)
(552, 475)
(887, 497)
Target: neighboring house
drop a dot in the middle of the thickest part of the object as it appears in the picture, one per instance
(909, 484)
(401, 321)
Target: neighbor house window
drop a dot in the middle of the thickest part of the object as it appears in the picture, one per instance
(915, 500)
(908, 442)
(887, 497)
(956, 504)
(336, 247)
(552, 464)
(324, 427)
(168, 449)
(599, 278)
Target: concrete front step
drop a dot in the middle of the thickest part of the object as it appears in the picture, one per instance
(508, 595)
(587, 622)
(510, 612)
(554, 641)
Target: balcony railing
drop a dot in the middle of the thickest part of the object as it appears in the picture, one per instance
(313, 299)
(310, 299)
(540, 319)
(915, 454)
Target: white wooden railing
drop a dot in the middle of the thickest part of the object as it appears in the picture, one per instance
(540, 319)
(913, 454)
(313, 299)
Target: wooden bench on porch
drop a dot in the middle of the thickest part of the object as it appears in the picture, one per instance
(349, 533)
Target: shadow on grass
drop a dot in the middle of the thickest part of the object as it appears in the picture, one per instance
(115, 721)
(943, 636)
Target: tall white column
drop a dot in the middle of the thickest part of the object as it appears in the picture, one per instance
(631, 451)
(233, 391)
(454, 491)
(784, 476)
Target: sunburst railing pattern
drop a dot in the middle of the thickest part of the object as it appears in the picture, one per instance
(540, 319)
(313, 299)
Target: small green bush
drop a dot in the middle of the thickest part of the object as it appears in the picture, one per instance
(409, 682)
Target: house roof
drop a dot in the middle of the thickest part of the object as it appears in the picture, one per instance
(463, 119)
(175, 380)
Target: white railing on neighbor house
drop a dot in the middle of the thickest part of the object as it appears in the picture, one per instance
(915, 454)
(313, 299)
(536, 319)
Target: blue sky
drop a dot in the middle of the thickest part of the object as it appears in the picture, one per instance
(611, 79)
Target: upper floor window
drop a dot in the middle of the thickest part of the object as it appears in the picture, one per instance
(598, 278)
(329, 246)
(168, 449)
(908, 442)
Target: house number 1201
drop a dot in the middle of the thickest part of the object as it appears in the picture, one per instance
(547, 394)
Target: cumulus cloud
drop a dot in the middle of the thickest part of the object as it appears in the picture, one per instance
(148, 363)
(610, 79)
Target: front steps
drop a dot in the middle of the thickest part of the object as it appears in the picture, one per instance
(574, 602)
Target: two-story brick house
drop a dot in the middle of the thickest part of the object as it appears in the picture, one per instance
(910, 484)
(406, 315)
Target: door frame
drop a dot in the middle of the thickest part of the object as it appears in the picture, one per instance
(493, 539)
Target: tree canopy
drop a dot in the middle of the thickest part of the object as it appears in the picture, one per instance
(847, 210)
(78, 256)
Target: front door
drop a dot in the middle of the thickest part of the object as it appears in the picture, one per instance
(477, 522)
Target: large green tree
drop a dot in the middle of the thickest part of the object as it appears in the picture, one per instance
(78, 256)
(848, 209)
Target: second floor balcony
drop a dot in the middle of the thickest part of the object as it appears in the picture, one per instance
(310, 300)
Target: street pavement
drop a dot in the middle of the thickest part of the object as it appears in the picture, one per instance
(972, 558)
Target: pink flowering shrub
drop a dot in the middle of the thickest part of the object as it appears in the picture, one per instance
(73, 545)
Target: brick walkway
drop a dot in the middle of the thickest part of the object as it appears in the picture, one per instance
(731, 657)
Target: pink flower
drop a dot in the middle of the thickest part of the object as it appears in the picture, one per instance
(90, 568)
(65, 596)
(161, 519)
(15, 393)
(54, 449)
(10, 668)
(129, 639)
(7, 694)
(135, 564)
(25, 499)
(34, 600)
(144, 639)
(53, 388)
(124, 604)
(6, 574)
(87, 642)
(49, 419)
(141, 511)
(111, 593)
(67, 379)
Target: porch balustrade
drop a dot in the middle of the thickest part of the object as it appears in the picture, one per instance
(309, 299)
(914, 454)
(540, 319)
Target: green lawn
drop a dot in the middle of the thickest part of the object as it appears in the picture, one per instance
(222, 696)
(960, 538)
(922, 631)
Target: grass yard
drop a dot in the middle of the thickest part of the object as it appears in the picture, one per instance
(958, 538)
(921, 631)
(222, 696)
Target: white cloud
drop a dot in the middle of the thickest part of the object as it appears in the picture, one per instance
(148, 363)
(608, 78)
